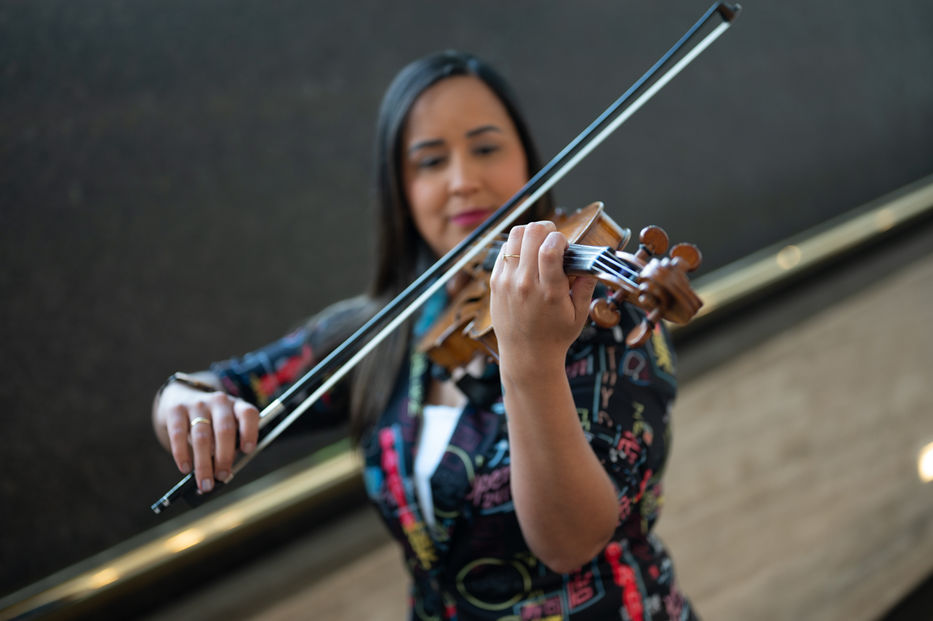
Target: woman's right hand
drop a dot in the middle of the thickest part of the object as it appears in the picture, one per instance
(200, 429)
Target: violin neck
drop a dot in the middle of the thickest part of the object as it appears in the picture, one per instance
(585, 260)
(579, 260)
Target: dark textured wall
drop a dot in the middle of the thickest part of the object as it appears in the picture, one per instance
(182, 181)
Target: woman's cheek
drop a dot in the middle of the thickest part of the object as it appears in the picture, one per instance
(430, 219)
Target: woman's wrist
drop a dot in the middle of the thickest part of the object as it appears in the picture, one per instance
(189, 380)
(528, 369)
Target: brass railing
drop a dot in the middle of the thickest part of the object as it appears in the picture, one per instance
(336, 470)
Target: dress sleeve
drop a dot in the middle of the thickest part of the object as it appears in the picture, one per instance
(264, 374)
(623, 397)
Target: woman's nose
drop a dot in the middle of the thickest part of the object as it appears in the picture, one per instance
(464, 176)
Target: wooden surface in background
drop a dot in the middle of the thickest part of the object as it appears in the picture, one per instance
(792, 491)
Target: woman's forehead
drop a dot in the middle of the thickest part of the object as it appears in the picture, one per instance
(455, 106)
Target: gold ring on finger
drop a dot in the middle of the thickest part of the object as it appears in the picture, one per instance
(510, 256)
(200, 419)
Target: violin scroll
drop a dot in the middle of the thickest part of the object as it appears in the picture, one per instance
(661, 288)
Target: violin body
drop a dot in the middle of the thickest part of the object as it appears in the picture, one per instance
(656, 285)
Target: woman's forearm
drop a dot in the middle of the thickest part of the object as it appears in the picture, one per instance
(565, 502)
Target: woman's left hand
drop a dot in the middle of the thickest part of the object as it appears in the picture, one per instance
(537, 312)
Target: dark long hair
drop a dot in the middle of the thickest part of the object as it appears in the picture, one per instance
(402, 254)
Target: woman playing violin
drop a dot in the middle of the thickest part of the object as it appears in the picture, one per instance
(530, 491)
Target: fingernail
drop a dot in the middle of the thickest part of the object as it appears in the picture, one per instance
(186, 467)
(222, 475)
(248, 447)
(207, 485)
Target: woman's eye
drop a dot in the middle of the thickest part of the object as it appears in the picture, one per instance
(432, 161)
(486, 149)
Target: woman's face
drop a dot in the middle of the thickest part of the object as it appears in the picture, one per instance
(462, 159)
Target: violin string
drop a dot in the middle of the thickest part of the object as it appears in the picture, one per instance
(602, 258)
(619, 265)
(581, 257)
(619, 272)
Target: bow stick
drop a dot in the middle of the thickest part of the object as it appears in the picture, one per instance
(341, 360)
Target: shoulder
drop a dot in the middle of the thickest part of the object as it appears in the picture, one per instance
(339, 311)
(335, 323)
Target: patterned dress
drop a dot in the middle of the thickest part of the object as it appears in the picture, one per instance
(469, 560)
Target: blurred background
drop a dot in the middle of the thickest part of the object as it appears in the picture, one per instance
(181, 182)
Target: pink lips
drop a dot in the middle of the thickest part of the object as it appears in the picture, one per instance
(471, 218)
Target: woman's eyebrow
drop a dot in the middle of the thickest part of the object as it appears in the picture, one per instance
(426, 144)
(482, 129)
(439, 142)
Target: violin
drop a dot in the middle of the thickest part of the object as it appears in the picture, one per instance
(654, 283)
(658, 286)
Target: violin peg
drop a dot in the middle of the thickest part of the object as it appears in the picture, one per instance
(639, 334)
(654, 240)
(686, 256)
(604, 313)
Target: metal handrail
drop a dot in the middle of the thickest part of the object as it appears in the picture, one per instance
(788, 259)
(181, 540)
